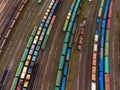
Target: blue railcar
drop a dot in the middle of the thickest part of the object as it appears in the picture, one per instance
(63, 83)
(101, 53)
(65, 69)
(68, 54)
(30, 70)
(101, 81)
(102, 39)
(36, 53)
(32, 64)
(9, 17)
(97, 20)
(41, 24)
(52, 10)
(96, 32)
(48, 21)
(43, 20)
(34, 58)
(103, 23)
(101, 65)
(51, 14)
(46, 25)
(44, 30)
(74, 28)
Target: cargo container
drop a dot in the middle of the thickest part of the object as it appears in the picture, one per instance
(26, 84)
(96, 38)
(95, 48)
(28, 77)
(27, 63)
(29, 57)
(39, 43)
(94, 56)
(93, 86)
(24, 71)
(31, 51)
(37, 48)
(94, 62)
(94, 73)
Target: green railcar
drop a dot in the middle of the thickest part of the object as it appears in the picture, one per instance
(107, 36)
(57, 88)
(44, 42)
(49, 29)
(73, 17)
(76, 7)
(24, 56)
(14, 84)
(65, 25)
(67, 37)
(59, 77)
(106, 48)
(64, 49)
(102, 3)
(106, 65)
(62, 59)
(20, 67)
(29, 42)
(34, 31)
(70, 27)
(100, 12)
(39, 1)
